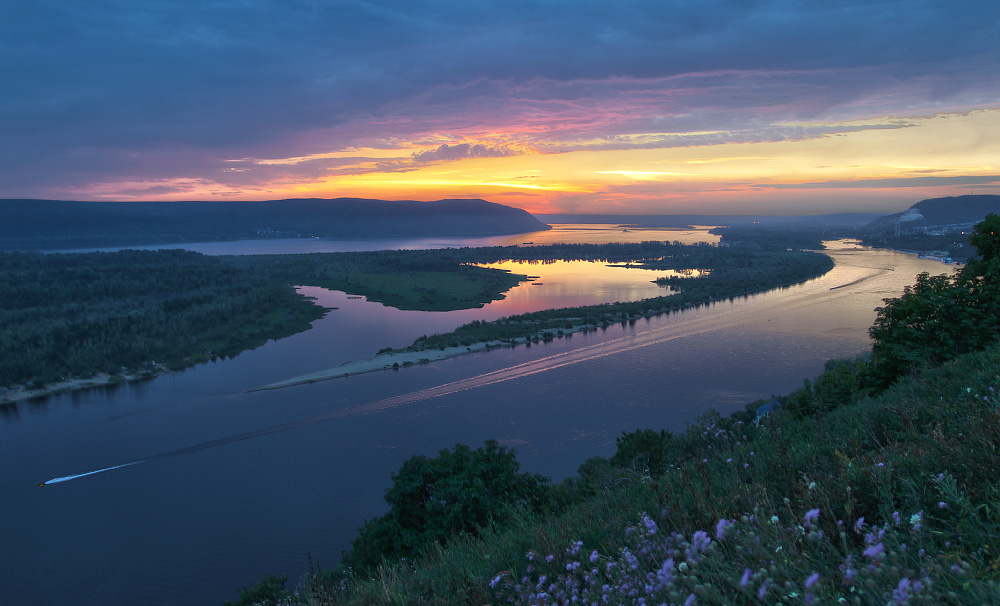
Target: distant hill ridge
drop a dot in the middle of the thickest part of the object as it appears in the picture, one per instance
(42, 224)
(953, 213)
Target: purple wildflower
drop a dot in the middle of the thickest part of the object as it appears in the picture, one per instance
(700, 540)
(763, 590)
(649, 523)
(812, 580)
(593, 556)
(874, 551)
(721, 527)
(691, 600)
(746, 577)
(849, 575)
(811, 516)
(896, 519)
(666, 573)
(902, 591)
(942, 504)
(859, 524)
(549, 558)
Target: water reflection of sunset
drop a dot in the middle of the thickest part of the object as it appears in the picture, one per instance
(603, 233)
(575, 283)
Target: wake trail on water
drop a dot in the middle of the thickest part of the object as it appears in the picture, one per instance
(719, 319)
(524, 369)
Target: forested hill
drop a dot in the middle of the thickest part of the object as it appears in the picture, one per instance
(45, 224)
(939, 214)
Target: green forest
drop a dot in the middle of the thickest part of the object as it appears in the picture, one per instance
(67, 315)
(73, 315)
(873, 484)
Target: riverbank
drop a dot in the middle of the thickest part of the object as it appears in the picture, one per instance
(19, 393)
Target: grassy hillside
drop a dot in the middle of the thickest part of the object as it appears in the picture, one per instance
(882, 497)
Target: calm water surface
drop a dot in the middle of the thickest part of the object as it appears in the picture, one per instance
(191, 528)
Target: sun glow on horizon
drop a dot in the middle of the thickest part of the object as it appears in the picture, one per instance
(855, 161)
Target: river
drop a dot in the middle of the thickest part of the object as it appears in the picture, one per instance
(265, 478)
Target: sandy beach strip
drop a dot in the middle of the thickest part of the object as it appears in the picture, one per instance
(395, 360)
(386, 361)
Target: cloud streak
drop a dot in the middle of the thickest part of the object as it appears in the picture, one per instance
(250, 99)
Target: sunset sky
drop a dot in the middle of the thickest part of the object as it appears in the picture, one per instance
(566, 106)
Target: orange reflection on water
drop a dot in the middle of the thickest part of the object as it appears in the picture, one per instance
(576, 283)
(603, 233)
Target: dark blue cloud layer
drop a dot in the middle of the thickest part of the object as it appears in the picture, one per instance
(156, 89)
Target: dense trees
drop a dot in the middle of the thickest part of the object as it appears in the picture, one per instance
(941, 317)
(64, 314)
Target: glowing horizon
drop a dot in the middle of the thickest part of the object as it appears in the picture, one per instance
(772, 117)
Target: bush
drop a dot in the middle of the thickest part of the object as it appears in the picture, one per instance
(459, 491)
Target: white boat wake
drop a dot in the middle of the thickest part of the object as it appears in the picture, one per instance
(719, 319)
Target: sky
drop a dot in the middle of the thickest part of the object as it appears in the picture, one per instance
(553, 106)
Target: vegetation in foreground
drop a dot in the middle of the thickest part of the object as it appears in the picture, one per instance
(850, 493)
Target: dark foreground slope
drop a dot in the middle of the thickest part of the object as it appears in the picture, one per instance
(46, 224)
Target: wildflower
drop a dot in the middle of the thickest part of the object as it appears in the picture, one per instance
(691, 600)
(874, 551)
(812, 485)
(849, 575)
(576, 547)
(774, 519)
(896, 518)
(902, 591)
(859, 524)
(916, 520)
(811, 516)
(649, 523)
(593, 556)
(812, 580)
(729, 460)
(549, 558)
(942, 505)
(745, 580)
(666, 572)
(880, 465)
(496, 580)
(701, 540)
(721, 527)
(763, 590)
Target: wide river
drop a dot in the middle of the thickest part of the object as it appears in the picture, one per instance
(223, 485)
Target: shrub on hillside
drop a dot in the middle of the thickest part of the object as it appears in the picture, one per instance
(432, 498)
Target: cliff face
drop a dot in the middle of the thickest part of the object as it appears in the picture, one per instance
(40, 224)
